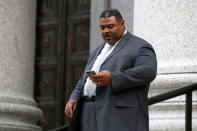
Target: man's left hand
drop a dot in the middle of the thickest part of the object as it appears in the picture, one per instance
(101, 79)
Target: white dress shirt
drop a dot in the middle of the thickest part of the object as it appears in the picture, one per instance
(90, 87)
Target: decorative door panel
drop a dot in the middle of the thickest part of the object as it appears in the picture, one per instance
(62, 46)
(49, 8)
(77, 42)
(46, 89)
(49, 46)
(49, 64)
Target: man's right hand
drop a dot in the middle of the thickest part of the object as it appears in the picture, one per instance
(70, 107)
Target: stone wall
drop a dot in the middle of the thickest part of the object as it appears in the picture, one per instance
(171, 27)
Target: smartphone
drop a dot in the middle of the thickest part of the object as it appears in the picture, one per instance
(89, 72)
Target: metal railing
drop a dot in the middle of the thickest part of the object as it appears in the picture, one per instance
(178, 92)
(166, 96)
(61, 128)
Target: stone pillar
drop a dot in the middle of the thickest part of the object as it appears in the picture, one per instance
(18, 110)
(97, 6)
(126, 9)
(171, 27)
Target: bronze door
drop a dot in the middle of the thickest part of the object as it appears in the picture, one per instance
(62, 46)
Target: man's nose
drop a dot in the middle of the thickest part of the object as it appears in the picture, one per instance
(106, 30)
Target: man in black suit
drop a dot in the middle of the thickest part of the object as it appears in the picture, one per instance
(115, 98)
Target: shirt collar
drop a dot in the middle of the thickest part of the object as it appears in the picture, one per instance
(118, 40)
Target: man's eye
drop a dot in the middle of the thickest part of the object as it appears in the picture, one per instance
(102, 28)
(110, 26)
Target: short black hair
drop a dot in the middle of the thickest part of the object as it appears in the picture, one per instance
(111, 12)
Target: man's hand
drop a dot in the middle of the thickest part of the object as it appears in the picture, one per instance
(70, 107)
(101, 79)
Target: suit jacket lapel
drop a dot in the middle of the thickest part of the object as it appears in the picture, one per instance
(121, 44)
(95, 56)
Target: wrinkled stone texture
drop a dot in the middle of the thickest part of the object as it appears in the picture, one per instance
(171, 27)
(17, 39)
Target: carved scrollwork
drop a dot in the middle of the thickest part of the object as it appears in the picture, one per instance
(45, 43)
(84, 38)
(84, 2)
(44, 84)
(43, 123)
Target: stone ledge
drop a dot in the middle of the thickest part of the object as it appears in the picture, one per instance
(18, 127)
(19, 116)
(17, 100)
(165, 82)
(169, 125)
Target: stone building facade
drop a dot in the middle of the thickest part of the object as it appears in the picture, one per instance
(170, 26)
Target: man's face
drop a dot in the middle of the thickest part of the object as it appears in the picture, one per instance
(111, 29)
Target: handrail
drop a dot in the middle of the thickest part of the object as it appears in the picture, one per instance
(165, 96)
(178, 92)
(170, 94)
(61, 128)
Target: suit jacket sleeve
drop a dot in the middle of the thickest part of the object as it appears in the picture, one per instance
(77, 91)
(142, 73)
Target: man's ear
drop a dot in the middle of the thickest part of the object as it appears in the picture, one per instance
(122, 22)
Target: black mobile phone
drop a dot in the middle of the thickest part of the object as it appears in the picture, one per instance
(89, 72)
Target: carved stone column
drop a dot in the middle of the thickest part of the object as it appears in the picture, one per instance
(171, 26)
(18, 110)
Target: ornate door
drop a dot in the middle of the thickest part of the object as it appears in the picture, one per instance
(62, 46)
(77, 41)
